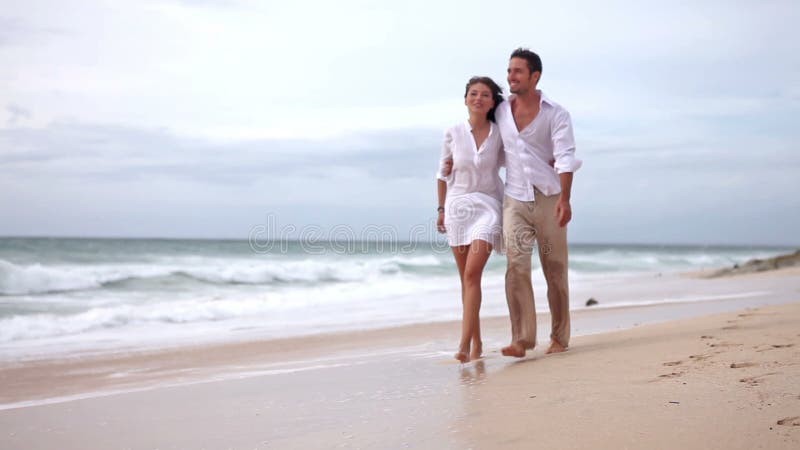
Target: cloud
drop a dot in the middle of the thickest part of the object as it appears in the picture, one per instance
(211, 3)
(17, 114)
(15, 31)
(102, 151)
(145, 180)
(146, 112)
(675, 190)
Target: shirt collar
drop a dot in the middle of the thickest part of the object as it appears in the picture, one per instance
(542, 99)
(491, 126)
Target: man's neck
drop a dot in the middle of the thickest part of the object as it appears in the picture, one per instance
(529, 98)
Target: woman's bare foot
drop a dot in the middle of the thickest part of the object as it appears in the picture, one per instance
(515, 349)
(462, 354)
(477, 351)
(555, 347)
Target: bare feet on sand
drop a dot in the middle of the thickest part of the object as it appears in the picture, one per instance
(516, 350)
(477, 351)
(462, 354)
(555, 347)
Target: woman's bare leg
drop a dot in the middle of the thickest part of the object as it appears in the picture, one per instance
(477, 256)
(460, 253)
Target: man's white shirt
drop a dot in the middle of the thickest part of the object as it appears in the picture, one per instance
(529, 152)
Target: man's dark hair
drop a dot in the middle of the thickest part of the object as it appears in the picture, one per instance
(497, 93)
(534, 62)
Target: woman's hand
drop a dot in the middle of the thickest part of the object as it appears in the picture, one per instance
(440, 223)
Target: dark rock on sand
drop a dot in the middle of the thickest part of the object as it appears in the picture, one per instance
(591, 302)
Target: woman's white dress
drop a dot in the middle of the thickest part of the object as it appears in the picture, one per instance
(474, 201)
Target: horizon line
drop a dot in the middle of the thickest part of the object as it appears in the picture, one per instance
(288, 239)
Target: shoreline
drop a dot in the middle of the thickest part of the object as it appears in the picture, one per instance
(613, 292)
(726, 380)
(691, 374)
(69, 377)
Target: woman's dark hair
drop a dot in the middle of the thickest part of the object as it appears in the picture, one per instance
(497, 92)
(534, 62)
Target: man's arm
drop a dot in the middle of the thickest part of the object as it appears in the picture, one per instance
(564, 163)
(564, 159)
(563, 208)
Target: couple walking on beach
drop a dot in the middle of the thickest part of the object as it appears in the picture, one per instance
(532, 137)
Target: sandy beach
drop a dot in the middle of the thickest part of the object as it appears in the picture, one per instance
(718, 374)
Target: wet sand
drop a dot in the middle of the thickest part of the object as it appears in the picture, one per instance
(726, 380)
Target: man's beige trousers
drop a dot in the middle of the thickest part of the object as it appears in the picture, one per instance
(523, 224)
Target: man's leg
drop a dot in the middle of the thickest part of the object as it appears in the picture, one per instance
(519, 236)
(552, 242)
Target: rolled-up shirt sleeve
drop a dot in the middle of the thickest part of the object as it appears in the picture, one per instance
(447, 154)
(564, 144)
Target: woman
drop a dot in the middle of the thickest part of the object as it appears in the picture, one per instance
(470, 201)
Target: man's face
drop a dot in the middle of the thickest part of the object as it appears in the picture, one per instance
(520, 78)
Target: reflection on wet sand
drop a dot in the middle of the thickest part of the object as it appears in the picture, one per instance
(473, 373)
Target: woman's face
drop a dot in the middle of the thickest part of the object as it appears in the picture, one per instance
(479, 99)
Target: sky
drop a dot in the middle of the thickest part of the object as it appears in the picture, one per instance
(219, 119)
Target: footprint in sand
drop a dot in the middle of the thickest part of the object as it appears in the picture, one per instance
(755, 380)
(705, 336)
(725, 344)
(772, 347)
(697, 358)
(672, 363)
(742, 365)
(790, 421)
(751, 381)
(671, 375)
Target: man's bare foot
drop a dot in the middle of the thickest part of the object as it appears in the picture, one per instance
(515, 349)
(477, 351)
(555, 347)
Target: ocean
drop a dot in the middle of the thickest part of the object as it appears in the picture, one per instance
(63, 296)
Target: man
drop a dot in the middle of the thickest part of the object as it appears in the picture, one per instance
(540, 162)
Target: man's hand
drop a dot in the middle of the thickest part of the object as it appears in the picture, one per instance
(448, 167)
(563, 212)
